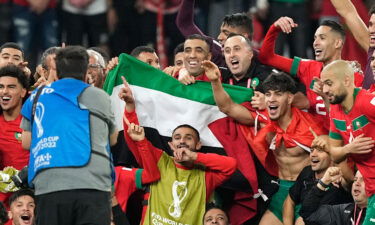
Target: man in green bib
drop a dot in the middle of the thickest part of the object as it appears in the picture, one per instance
(187, 179)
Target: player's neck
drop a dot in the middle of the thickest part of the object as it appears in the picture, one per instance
(238, 77)
(348, 102)
(12, 114)
(285, 119)
(336, 56)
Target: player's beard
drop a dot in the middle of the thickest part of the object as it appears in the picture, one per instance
(339, 98)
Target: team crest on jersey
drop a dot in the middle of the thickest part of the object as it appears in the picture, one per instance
(18, 136)
(360, 122)
(255, 82)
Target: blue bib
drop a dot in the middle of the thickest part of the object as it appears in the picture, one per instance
(60, 133)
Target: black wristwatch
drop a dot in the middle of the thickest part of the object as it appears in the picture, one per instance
(325, 186)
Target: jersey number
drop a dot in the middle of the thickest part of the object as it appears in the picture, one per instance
(320, 107)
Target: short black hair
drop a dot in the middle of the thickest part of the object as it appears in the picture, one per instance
(20, 193)
(199, 37)
(372, 10)
(241, 20)
(12, 45)
(46, 53)
(248, 41)
(212, 205)
(187, 126)
(179, 48)
(3, 214)
(336, 27)
(143, 48)
(72, 62)
(16, 72)
(279, 81)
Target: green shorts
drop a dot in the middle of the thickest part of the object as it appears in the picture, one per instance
(277, 201)
(370, 212)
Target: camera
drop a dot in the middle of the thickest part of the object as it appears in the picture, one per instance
(20, 179)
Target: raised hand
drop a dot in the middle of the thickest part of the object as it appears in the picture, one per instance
(257, 101)
(25, 69)
(136, 132)
(318, 86)
(126, 95)
(183, 154)
(320, 142)
(332, 175)
(360, 145)
(211, 70)
(185, 78)
(286, 24)
(112, 64)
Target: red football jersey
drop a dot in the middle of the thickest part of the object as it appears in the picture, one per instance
(306, 70)
(11, 151)
(348, 125)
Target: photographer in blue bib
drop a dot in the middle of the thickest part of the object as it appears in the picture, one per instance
(68, 127)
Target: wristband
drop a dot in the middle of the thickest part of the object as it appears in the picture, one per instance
(325, 186)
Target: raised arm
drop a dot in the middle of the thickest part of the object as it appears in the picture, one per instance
(359, 145)
(222, 99)
(267, 53)
(185, 19)
(347, 10)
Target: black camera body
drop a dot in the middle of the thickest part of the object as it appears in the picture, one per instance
(20, 179)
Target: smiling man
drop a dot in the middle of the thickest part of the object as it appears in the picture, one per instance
(319, 171)
(196, 49)
(22, 206)
(365, 36)
(352, 125)
(278, 138)
(329, 39)
(13, 88)
(187, 180)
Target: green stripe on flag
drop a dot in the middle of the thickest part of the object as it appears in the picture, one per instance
(141, 74)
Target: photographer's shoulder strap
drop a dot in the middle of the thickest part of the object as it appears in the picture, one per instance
(35, 102)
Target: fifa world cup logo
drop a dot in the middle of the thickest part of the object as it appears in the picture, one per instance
(179, 192)
(38, 117)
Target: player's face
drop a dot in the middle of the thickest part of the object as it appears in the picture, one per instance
(371, 28)
(358, 190)
(215, 216)
(225, 30)
(333, 88)
(237, 55)
(324, 44)
(278, 103)
(150, 58)
(320, 160)
(195, 51)
(179, 60)
(185, 137)
(22, 211)
(10, 56)
(11, 93)
(373, 63)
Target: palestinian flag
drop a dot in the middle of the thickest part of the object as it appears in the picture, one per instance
(163, 103)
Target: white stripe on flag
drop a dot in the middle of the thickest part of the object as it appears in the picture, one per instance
(169, 112)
